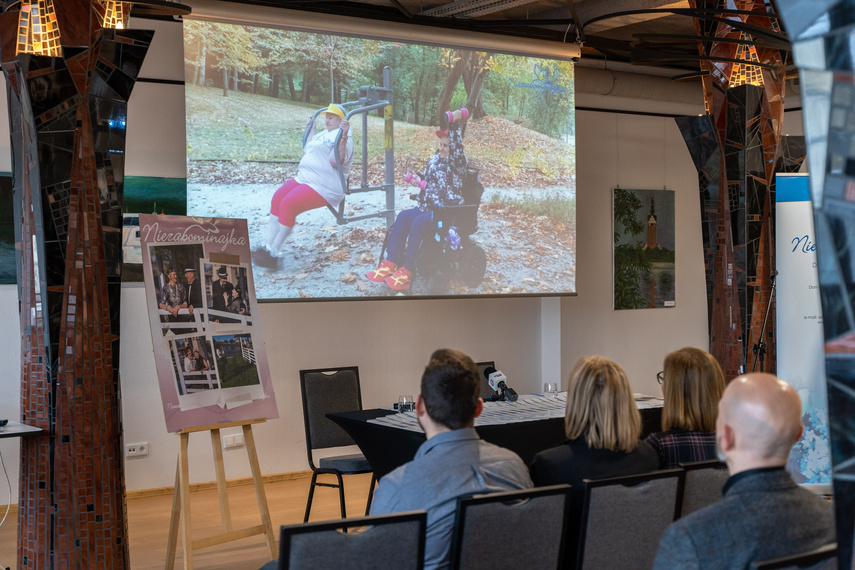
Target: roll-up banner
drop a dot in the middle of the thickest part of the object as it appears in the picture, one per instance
(801, 358)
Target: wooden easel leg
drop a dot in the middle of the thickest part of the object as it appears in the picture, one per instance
(174, 519)
(249, 440)
(222, 490)
(186, 526)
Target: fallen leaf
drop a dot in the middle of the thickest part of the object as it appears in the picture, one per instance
(301, 276)
(349, 278)
(340, 255)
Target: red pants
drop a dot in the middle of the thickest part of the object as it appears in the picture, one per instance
(293, 198)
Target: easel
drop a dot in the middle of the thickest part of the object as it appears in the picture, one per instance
(181, 498)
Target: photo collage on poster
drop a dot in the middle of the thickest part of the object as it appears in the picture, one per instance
(209, 352)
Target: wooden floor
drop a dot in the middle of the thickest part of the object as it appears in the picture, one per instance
(148, 523)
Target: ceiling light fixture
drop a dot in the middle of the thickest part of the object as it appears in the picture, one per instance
(38, 29)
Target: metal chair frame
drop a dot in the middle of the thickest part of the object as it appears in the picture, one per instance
(309, 447)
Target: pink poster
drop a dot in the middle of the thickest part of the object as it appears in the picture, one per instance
(208, 345)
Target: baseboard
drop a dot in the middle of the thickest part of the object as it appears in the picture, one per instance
(212, 485)
(207, 486)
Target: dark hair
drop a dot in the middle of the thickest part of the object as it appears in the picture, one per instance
(450, 388)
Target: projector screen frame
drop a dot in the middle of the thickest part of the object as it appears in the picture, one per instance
(291, 20)
(302, 21)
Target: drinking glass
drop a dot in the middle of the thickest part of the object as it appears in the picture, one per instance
(550, 389)
(406, 404)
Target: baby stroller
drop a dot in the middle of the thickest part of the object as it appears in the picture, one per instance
(450, 251)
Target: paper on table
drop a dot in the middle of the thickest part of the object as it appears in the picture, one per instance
(529, 407)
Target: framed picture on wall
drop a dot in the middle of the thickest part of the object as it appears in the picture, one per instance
(644, 270)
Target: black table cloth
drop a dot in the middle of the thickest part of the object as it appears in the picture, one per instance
(387, 447)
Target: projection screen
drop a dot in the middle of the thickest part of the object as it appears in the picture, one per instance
(502, 222)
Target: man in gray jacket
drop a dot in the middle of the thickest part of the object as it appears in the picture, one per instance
(763, 513)
(454, 461)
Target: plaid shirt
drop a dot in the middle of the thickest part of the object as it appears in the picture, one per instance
(677, 446)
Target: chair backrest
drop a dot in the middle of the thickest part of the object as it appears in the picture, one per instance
(703, 483)
(486, 391)
(824, 558)
(328, 390)
(624, 518)
(533, 519)
(396, 540)
(466, 219)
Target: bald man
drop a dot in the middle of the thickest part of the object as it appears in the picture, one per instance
(763, 513)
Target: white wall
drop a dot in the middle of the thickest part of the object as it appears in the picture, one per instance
(638, 152)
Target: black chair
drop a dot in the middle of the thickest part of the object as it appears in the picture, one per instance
(534, 520)
(329, 390)
(624, 518)
(486, 391)
(389, 541)
(824, 558)
(703, 483)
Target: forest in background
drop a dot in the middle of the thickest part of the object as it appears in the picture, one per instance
(427, 81)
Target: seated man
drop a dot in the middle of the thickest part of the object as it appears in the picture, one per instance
(763, 513)
(453, 462)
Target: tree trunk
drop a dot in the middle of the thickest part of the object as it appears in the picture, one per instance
(202, 64)
(417, 98)
(473, 96)
(255, 83)
(448, 90)
(235, 80)
(291, 87)
(274, 85)
(474, 75)
(225, 82)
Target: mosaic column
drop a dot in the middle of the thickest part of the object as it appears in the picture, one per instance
(823, 34)
(735, 147)
(67, 118)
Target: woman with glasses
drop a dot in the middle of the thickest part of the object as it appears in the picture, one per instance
(692, 383)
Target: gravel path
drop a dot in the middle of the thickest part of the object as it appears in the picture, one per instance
(525, 254)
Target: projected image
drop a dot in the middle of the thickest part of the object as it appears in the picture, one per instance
(370, 168)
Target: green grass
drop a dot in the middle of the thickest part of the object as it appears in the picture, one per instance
(247, 127)
(556, 207)
(235, 371)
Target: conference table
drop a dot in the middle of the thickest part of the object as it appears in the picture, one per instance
(530, 425)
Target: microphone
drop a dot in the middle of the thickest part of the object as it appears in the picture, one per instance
(498, 382)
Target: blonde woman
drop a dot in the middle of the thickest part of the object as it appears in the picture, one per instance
(693, 384)
(602, 425)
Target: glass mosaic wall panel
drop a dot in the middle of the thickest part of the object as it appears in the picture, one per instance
(68, 118)
(823, 33)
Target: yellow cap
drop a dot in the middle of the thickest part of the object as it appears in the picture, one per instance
(334, 109)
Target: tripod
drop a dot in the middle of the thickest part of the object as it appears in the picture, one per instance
(760, 345)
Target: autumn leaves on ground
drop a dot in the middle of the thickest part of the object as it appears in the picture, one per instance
(243, 146)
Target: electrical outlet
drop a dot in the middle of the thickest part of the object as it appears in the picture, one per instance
(231, 441)
(136, 449)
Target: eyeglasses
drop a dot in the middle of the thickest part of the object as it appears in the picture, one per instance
(660, 376)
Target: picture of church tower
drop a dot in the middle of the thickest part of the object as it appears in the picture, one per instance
(652, 240)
